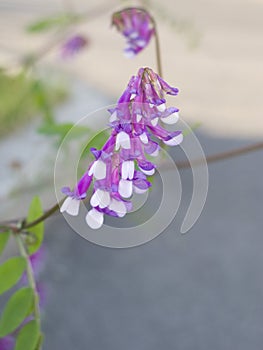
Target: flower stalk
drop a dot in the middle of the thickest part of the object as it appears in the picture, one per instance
(31, 280)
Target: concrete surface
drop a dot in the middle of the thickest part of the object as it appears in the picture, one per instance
(36, 153)
(220, 81)
(203, 290)
(200, 291)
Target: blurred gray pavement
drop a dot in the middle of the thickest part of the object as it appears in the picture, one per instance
(199, 291)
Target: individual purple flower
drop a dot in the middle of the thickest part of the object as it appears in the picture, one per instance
(7, 343)
(73, 45)
(72, 203)
(122, 166)
(137, 26)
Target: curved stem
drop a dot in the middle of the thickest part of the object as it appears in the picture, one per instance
(180, 165)
(31, 279)
(221, 156)
(158, 52)
(157, 49)
(43, 217)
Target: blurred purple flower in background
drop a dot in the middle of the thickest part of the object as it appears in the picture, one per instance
(137, 26)
(42, 294)
(121, 167)
(7, 343)
(73, 45)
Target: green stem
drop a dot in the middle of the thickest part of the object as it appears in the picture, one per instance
(157, 50)
(221, 156)
(9, 225)
(30, 276)
(43, 217)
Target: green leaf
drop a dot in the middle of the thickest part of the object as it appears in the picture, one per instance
(16, 310)
(62, 130)
(4, 236)
(48, 23)
(97, 141)
(42, 100)
(28, 336)
(11, 272)
(35, 211)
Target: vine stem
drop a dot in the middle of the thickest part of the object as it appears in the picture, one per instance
(31, 279)
(43, 217)
(10, 225)
(221, 156)
(157, 49)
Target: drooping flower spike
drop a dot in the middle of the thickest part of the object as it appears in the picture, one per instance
(122, 166)
(137, 26)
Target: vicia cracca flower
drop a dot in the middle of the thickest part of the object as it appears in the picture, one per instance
(122, 166)
(73, 45)
(137, 26)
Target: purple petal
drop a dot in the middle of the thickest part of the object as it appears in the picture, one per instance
(67, 191)
(142, 184)
(83, 186)
(167, 88)
(95, 152)
(73, 45)
(151, 147)
(145, 165)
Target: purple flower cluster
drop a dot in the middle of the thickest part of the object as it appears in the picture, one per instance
(121, 167)
(137, 26)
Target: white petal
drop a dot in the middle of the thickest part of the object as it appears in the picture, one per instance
(132, 96)
(94, 219)
(144, 138)
(127, 169)
(161, 108)
(92, 169)
(141, 43)
(113, 117)
(125, 188)
(129, 53)
(123, 140)
(100, 198)
(65, 204)
(174, 141)
(139, 190)
(155, 153)
(131, 169)
(154, 121)
(151, 105)
(99, 170)
(138, 118)
(119, 207)
(134, 35)
(148, 172)
(171, 119)
(70, 206)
